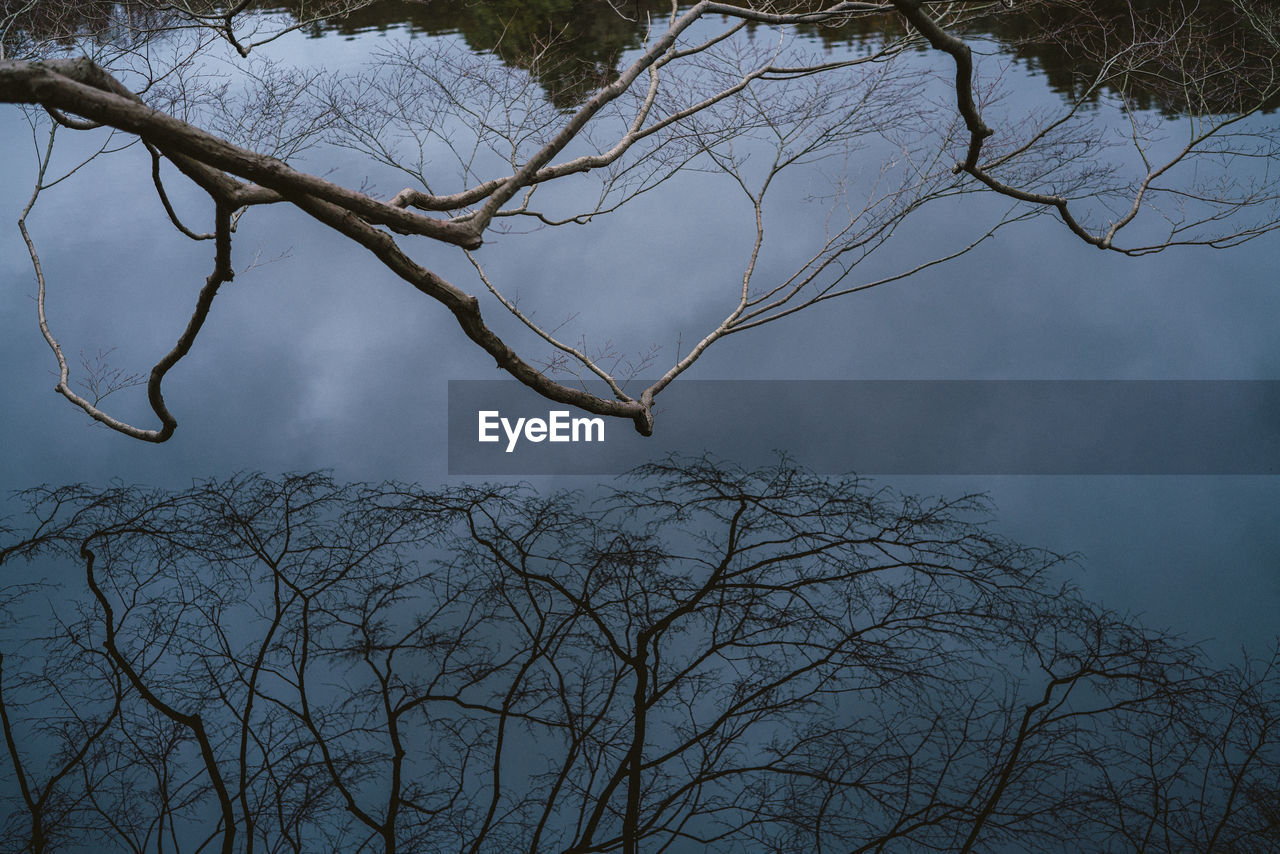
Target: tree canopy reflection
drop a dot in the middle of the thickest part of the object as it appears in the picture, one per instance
(573, 46)
(707, 659)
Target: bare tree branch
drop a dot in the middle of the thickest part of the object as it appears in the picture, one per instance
(693, 90)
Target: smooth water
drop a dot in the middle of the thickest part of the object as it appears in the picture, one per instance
(316, 357)
(319, 358)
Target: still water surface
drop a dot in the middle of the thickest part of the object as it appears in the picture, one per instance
(320, 359)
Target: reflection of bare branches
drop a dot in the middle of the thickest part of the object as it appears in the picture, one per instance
(732, 660)
(40, 27)
(10, 20)
(1177, 58)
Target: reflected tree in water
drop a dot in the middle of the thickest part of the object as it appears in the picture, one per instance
(706, 659)
(641, 99)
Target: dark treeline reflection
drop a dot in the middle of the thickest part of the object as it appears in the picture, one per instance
(1205, 58)
(33, 27)
(1177, 64)
(707, 659)
(1179, 58)
(572, 47)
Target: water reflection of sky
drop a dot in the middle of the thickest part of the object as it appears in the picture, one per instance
(324, 360)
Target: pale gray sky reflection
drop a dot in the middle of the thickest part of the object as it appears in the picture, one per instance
(322, 360)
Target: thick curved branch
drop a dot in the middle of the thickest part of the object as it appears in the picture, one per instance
(350, 213)
(85, 89)
(941, 40)
(164, 198)
(222, 272)
(466, 310)
(192, 721)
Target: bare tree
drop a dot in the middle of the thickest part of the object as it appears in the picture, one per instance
(718, 87)
(707, 659)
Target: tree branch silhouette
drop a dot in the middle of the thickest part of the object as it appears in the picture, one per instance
(706, 657)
